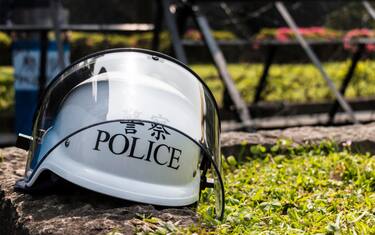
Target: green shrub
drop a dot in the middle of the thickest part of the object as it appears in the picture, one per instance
(83, 44)
(86, 43)
(5, 42)
(6, 88)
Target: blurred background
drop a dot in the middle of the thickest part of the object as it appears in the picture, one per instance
(280, 64)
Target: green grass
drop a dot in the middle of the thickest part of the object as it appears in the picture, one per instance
(289, 190)
(309, 191)
(293, 82)
(290, 82)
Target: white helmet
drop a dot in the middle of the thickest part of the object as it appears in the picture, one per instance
(130, 123)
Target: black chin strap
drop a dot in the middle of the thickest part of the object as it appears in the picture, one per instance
(209, 183)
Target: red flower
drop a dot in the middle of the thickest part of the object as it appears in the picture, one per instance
(356, 34)
(285, 34)
(193, 34)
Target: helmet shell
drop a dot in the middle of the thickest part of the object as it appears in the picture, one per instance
(129, 123)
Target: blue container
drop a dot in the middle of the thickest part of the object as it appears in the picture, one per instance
(26, 102)
(26, 63)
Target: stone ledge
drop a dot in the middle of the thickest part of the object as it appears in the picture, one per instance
(362, 138)
(79, 211)
(73, 210)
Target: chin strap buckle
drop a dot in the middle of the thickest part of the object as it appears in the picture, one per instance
(208, 183)
(24, 141)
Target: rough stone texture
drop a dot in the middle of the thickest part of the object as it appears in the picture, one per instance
(361, 137)
(71, 210)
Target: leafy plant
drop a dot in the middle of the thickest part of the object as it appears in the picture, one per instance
(6, 88)
(358, 33)
(284, 34)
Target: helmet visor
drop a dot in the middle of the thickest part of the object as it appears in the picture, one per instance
(125, 84)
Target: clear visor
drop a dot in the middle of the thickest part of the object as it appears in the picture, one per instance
(125, 85)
